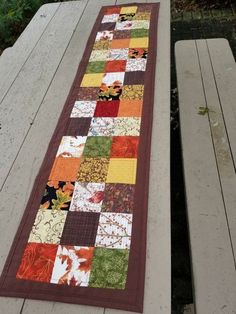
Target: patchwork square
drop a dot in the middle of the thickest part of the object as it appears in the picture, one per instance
(105, 35)
(95, 67)
(138, 64)
(71, 146)
(37, 262)
(102, 45)
(107, 108)
(139, 33)
(145, 15)
(48, 226)
(107, 26)
(127, 126)
(120, 43)
(99, 55)
(122, 170)
(110, 18)
(118, 198)
(88, 93)
(140, 24)
(108, 93)
(132, 92)
(123, 25)
(118, 54)
(124, 147)
(126, 17)
(114, 231)
(87, 197)
(92, 80)
(112, 276)
(121, 34)
(65, 169)
(115, 66)
(128, 10)
(113, 78)
(141, 42)
(101, 127)
(130, 108)
(112, 10)
(135, 77)
(57, 195)
(78, 126)
(83, 109)
(72, 265)
(138, 53)
(93, 170)
(80, 229)
(97, 146)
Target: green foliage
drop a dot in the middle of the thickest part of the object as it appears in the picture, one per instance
(14, 16)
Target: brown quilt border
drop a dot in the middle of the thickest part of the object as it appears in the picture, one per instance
(131, 298)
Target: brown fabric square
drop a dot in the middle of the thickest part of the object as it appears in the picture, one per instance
(122, 34)
(107, 26)
(88, 93)
(80, 229)
(78, 126)
(136, 77)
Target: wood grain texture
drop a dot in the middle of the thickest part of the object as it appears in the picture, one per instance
(211, 250)
(22, 102)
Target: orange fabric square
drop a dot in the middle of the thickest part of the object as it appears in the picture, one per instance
(65, 169)
(115, 66)
(120, 43)
(124, 146)
(130, 108)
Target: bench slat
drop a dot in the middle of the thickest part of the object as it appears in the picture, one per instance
(221, 144)
(212, 257)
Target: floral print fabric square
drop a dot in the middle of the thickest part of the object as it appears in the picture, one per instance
(83, 109)
(118, 198)
(87, 197)
(72, 266)
(93, 170)
(101, 127)
(71, 146)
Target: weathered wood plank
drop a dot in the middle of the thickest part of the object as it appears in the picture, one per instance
(22, 102)
(224, 67)
(13, 58)
(221, 145)
(212, 257)
(157, 297)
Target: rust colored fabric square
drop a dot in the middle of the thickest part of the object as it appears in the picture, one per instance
(65, 169)
(80, 229)
(112, 10)
(88, 93)
(78, 126)
(107, 108)
(130, 108)
(124, 147)
(115, 66)
(118, 198)
(37, 262)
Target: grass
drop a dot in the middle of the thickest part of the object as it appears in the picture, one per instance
(14, 17)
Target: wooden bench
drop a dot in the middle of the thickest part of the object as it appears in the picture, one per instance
(206, 75)
(35, 78)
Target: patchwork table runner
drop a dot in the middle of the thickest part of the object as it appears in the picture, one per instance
(82, 238)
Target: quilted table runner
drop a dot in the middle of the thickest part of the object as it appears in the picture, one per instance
(82, 238)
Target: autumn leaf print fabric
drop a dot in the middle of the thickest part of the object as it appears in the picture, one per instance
(82, 231)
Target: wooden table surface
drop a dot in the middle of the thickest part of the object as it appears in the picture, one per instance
(35, 78)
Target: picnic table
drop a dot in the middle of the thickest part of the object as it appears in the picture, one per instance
(35, 78)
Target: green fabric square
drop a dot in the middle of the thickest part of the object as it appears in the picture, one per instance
(109, 268)
(139, 33)
(97, 146)
(96, 67)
